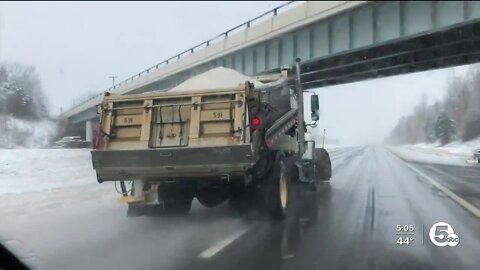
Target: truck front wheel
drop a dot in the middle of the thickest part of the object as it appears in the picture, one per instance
(277, 188)
(213, 194)
(323, 165)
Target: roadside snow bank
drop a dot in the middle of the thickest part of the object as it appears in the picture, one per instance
(415, 155)
(20, 133)
(216, 78)
(456, 148)
(455, 153)
(26, 170)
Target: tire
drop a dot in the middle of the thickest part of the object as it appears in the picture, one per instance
(277, 189)
(323, 165)
(212, 196)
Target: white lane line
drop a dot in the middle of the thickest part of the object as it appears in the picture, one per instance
(210, 252)
(474, 210)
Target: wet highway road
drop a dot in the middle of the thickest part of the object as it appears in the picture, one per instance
(349, 223)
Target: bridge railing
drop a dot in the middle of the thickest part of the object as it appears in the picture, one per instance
(247, 24)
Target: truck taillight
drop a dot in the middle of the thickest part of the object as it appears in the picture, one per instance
(256, 121)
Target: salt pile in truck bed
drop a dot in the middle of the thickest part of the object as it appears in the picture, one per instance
(216, 78)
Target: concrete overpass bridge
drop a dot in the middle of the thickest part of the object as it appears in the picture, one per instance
(338, 42)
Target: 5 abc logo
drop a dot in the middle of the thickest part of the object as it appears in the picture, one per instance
(442, 234)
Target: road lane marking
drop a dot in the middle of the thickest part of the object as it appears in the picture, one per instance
(289, 256)
(210, 252)
(474, 210)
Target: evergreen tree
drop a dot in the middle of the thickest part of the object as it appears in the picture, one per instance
(445, 129)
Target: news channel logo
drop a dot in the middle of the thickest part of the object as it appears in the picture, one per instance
(442, 235)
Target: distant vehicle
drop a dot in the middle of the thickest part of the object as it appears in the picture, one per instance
(476, 155)
(71, 142)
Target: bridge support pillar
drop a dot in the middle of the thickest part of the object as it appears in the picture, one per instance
(88, 131)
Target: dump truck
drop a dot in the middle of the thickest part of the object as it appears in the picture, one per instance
(163, 149)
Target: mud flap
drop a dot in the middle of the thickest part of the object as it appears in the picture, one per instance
(323, 165)
(130, 199)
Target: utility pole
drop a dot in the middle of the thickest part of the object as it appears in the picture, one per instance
(113, 80)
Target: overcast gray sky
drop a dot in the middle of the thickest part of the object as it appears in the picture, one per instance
(76, 46)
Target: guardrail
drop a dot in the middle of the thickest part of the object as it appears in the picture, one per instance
(190, 51)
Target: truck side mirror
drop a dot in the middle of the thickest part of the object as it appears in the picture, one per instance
(315, 108)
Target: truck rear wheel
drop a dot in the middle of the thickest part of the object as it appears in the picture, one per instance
(212, 195)
(278, 189)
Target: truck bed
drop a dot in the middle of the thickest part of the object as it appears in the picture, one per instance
(189, 135)
(173, 135)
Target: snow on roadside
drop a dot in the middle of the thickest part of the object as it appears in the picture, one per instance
(455, 153)
(21, 133)
(456, 148)
(27, 170)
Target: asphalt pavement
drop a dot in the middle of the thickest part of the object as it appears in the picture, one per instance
(347, 223)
